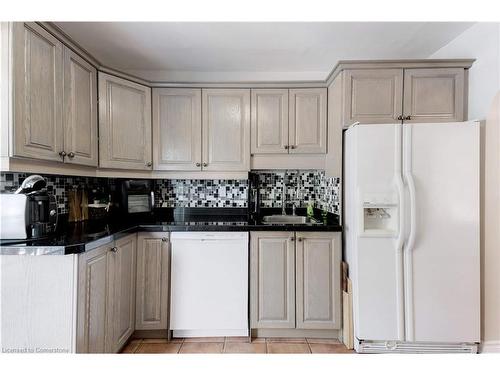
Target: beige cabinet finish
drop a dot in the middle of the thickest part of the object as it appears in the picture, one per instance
(269, 118)
(272, 280)
(226, 129)
(176, 129)
(373, 96)
(152, 281)
(80, 110)
(124, 124)
(307, 119)
(434, 95)
(333, 159)
(121, 291)
(92, 301)
(318, 280)
(38, 93)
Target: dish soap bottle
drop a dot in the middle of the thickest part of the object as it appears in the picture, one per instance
(310, 210)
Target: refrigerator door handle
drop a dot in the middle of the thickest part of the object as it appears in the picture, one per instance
(407, 252)
(401, 233)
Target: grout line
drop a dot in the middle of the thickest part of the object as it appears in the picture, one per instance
(138, 346)
(180, 347)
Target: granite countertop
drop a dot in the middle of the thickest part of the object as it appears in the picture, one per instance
(72, 238)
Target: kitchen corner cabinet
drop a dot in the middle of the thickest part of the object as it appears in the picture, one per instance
(152, 281)
(124, 124)
(226, 130)
(307, 121)
(121, 292)
(176, 129)
(411, 95)
(295, 280)
(55, 99)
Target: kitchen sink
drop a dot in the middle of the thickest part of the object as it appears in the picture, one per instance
(288, 219)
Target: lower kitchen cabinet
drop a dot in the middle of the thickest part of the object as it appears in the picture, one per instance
(106, 296)
(295, 280)
(121, 292)
(151, 309)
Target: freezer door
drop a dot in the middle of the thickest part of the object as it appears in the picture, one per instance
(373, 239)
(441, 165)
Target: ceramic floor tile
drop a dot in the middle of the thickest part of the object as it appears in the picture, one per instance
(155, 348)
(287, 348)
(329, 348)
(258, 340)
(237, 339)
(204, 339)
(323, 341)
(294, 340)
(155, 341)
(201, 347)
(242, 347)
(132, 346)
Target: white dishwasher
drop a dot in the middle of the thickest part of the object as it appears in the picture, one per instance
(209, 284)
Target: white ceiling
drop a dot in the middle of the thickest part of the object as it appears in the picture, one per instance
(254, 51)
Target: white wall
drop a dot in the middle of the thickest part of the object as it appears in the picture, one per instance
(482, 42)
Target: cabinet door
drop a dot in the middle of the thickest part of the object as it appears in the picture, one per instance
(152, 281)
(318, 280)
(272, 280)
(434, 95)
(177, 129)
(124, 124)
(226, 130)
(121, 301)
(91, 303)
(80, 110)
(307, 121)
(269, 131)
(373, 96)
(38, 93)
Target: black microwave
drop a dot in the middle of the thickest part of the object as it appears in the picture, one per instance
(137, 196)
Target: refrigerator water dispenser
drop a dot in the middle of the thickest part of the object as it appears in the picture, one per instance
(379, 216)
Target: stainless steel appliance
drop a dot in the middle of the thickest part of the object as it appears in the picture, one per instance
(137, 196)
(29, 213)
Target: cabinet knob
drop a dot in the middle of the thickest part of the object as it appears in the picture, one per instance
(62, 153)
(71, 155)
(205, 164)
(299, 239)
(164, 239)
(114, 249)
(407, 117)
(293, 147)
(149, 164)
(286, 147)
(400, 117)
(292, 239)
(198, 164)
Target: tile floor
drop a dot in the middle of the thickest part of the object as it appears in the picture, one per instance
(205, 345)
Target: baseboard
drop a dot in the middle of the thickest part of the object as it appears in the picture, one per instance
(296, 333)
(490, 347)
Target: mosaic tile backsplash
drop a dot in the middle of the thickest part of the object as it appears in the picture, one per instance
(301, 187)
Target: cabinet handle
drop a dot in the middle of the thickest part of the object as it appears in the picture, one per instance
(114, 249)
(149, 164)
(164, 239)
(198, 164)
(292, 239)
(293, 147)
(286, 147)
(205, 164)
(62, 154)
(400, 117)
(71, 155)
(407, 117)
(299, 239)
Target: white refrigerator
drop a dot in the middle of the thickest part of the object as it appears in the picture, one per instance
(411, 232)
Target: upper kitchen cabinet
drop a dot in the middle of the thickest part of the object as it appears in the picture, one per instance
(307, 116)
(124, 124)
(434, 95)
(80, 110)
(38, 93)
(226, 130)
(373, 95)
(176, 129)
(269, 129)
